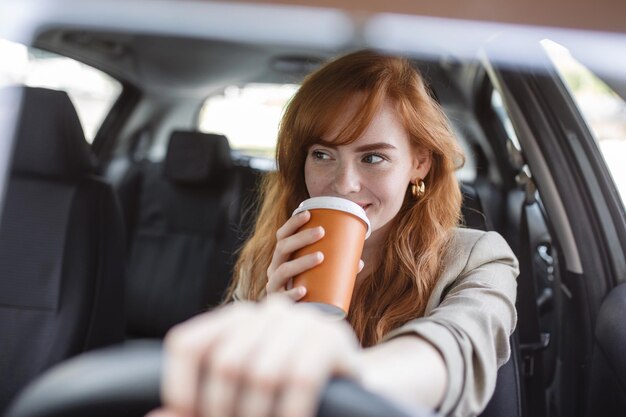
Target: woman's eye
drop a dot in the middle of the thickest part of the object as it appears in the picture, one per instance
(320, 155)
(373, 158)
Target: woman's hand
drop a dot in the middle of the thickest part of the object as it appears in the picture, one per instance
(266, 359)
(282, 268)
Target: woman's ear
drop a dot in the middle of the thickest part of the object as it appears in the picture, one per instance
(421, 163)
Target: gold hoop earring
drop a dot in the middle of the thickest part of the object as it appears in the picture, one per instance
(418, 189)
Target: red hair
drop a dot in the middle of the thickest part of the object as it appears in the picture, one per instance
(399, 288)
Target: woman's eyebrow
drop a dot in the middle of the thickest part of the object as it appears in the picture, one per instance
(362, 148)
(375, 146)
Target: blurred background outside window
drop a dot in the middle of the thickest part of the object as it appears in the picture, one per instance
(248, 116)
(92, 92)
(603, 110)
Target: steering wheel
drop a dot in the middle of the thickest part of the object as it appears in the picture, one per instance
(123, 381)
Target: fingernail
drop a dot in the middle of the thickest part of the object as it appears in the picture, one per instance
(321, 230)
(361, 264)
(305, 213)
(319, 256)
(302, 290)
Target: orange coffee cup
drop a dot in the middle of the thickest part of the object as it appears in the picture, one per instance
(330, 284)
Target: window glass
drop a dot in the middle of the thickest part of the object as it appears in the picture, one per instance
(467, 173)
(603, 110)
(248, 116)
(498, 107)
(92, 92)
(513, 147)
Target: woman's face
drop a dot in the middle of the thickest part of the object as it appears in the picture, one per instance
(373, 171)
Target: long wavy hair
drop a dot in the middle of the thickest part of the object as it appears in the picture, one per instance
(398, 289)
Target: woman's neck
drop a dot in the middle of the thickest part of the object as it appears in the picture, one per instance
(373, 252)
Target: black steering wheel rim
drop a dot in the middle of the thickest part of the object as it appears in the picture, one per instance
(123, 381)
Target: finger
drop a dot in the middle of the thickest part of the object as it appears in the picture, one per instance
(299, 240)
(291, 269)
(287, 246)
(228, 363)
(217, 398)
(300, 394)
(293, 224)
(256, 402)
(300, 399)
(296, 294)
(281, 296)
(308, 377)
(185, 348)
(269, 369)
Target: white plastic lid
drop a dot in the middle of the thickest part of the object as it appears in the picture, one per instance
(335, 203)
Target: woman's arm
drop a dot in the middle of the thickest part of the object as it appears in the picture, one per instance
(406, 369)
(471, 324)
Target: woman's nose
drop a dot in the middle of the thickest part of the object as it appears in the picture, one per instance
(346, 180)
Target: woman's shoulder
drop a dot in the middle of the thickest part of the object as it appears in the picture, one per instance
(470, 241)
(470, 248)
(473, 256)
(467, 236)
(463, 236)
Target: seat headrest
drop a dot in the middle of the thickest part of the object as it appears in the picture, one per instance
(49, 138)
(196, 158)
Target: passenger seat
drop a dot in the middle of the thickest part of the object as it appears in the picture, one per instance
(61, 246)
(183, 216)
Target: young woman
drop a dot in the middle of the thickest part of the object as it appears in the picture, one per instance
(434, 304)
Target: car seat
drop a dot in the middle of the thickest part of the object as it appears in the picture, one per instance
(507, 397)
(183, 215)
(607, 389)
(61, 246)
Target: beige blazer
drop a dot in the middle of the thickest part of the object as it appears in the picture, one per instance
(469, 318)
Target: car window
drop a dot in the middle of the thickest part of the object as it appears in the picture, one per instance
(603, 110)
(248, 116)
(467, 172)
(92, 91)
(498, 107)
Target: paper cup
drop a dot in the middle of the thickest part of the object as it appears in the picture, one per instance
(330, 284)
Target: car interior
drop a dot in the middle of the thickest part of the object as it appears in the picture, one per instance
(139, 230)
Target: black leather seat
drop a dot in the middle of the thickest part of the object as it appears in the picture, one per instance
(61, 247)
(472, 210)
(183, 215)
(507, 397)
(607, 393)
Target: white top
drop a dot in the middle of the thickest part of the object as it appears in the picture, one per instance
(335, 203)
